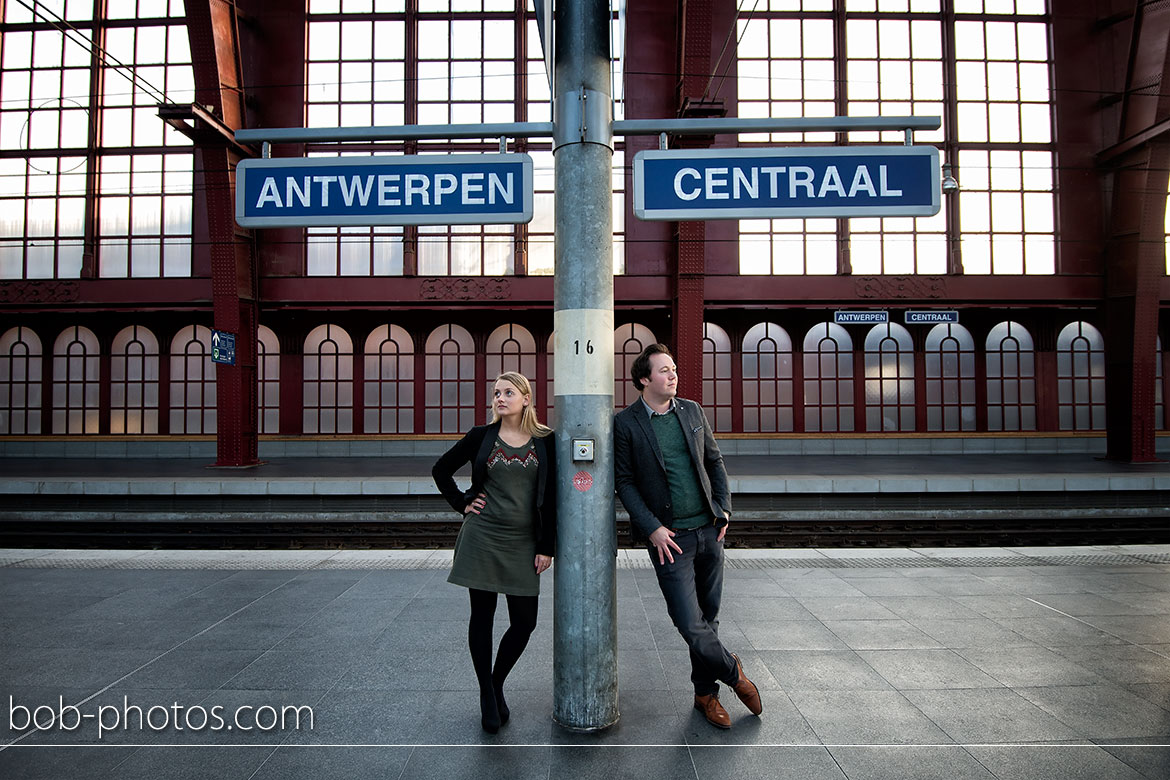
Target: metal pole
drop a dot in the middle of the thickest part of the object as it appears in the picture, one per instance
(585, 623)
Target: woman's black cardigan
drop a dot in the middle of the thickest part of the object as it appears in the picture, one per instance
(476, 448)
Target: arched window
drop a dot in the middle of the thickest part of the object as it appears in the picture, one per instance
(828, 379)
(450, 385)
(76, 393)
(717, 376)
(193, 392)
(510, 348)
(134, 375)
(1080, 378)
(389, 381)
(20, 382)
(767, 379)
(950, 379)
(889, 379)
(328, 400)
(1011, 379)
(267, 380)
(628, 342)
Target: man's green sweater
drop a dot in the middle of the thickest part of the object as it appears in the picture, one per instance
(688, 506)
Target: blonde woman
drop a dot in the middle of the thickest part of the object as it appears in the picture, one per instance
(509, 531)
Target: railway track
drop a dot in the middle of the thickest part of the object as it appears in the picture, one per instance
(261, 534)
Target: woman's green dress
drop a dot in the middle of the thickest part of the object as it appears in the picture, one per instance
(496, 549)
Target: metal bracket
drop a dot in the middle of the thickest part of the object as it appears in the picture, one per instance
(203, 127)
(585, 116)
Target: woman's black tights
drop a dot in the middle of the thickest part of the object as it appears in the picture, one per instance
(522, 621)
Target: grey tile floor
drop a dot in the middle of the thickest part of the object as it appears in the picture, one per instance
(882, 664)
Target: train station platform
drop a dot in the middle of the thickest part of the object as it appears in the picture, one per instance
(879, 492)
(748, 474)
(1008, 663)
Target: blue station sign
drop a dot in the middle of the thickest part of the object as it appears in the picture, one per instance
(931, 316)
(854, 181)
(223, 347)
(861, 317)
(384, 190)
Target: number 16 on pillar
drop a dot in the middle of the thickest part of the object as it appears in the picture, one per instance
(583, 352)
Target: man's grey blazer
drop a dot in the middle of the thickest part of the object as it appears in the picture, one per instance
(640, 472)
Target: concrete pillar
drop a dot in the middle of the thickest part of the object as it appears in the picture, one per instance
(585, 628)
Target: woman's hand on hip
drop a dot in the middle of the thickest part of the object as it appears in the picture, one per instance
(542, 563)
(476, 505)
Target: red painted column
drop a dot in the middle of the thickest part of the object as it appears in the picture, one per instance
(1136, 160)
(215, 59)
(980, 335)
(921, 423)
(292, 380)
(359, 386)
(1165, 388)
(1135, 267)
(1047, 390)
(420, 381)
(797, 381)
(695, 44)
(688, 310)
(233, 295)
(859, 400)
(736, 335)
(105, 390)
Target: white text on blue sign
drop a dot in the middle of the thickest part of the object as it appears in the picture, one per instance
(385, 190)
(774, 183)
(861, 317)
(223, 347)
(931, 317)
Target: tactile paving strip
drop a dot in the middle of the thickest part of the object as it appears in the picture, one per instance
(275, 560)
(243, 563)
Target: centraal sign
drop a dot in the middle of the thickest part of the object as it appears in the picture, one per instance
(854, 181)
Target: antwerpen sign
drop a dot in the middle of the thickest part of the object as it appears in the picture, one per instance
(751, 183)
(384, 190)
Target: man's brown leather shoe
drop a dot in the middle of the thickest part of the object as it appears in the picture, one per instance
(746, 690)
(713, 710)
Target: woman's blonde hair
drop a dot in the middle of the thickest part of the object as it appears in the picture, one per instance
(528, 421)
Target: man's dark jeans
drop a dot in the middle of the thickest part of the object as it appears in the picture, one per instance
(693, 589)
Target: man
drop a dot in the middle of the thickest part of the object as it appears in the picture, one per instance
(670, 477)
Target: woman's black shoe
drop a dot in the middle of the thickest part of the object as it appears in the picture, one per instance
(502, 706)
(489, 714)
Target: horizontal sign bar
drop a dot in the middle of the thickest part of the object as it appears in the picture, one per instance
(931, 317)
(302, 135)
(385, 190)
(855, 181)
(709, 126)
(861, 317)
(796, 124)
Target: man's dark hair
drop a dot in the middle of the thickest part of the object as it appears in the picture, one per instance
(641, 368)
